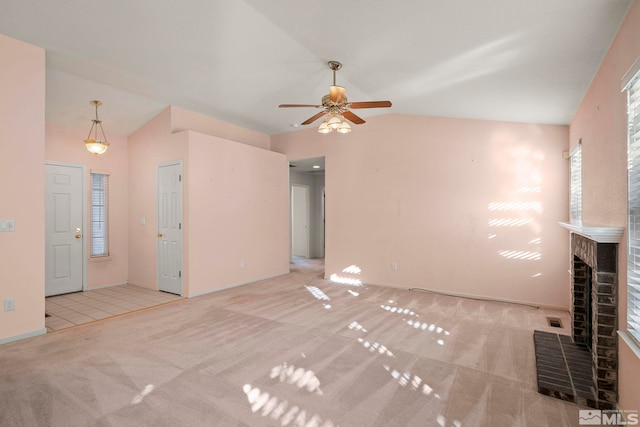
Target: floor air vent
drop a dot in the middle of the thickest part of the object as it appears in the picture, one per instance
(554, 322)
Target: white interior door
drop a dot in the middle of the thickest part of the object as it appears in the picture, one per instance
(300, 220)
(64, 236)
(170, 228)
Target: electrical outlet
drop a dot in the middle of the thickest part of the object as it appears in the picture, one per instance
(394, 265)
(9, 304)
(242, 264)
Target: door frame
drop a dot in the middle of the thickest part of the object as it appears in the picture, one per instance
(158, 166)
(308, 206)
(323, 191)
(84, 190)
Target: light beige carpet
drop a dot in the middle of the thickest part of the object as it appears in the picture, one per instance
(295, 350)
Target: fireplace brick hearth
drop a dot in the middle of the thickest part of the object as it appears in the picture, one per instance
(594, 314)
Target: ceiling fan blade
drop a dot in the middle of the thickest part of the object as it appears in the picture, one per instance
(353, 118)
(298, 105)
(336, 93)
(314, 118)
(370, 104)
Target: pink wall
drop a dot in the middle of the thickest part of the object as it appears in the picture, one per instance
(235, 206)
(22, 88)
(601, 123)
(182, 119)
(148, 146)
(427, 193)
(238, 217)
(64, 144)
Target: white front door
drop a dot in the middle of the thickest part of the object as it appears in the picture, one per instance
(300, 220)
(170, 228)
(64, 234)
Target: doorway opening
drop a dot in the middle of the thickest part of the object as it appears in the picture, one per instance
(307, 203)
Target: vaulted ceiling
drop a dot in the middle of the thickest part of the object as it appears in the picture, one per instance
(237, 60)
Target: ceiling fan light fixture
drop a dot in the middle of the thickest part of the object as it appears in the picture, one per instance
(334, 122)
(344, 127)
(324, 128)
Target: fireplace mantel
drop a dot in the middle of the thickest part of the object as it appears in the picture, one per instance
(597, 233)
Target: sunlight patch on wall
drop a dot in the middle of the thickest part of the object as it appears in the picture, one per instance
(517, 211)
(352, 269)
(515, 206)
(509, 222)
(344, 279)
(529, 189)
(525, 255)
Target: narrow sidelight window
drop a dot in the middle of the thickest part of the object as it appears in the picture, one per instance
(99, 214)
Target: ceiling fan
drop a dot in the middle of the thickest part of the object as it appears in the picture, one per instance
(336, 107)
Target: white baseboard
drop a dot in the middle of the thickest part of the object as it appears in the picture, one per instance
(235, 285)
(476, 297)
(23, 336)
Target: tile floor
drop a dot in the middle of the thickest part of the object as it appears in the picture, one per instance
(64, 311)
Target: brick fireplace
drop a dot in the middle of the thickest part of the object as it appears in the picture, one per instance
(594, 313)
(583, 368)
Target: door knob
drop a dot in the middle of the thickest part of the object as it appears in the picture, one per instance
(159, 234)
(78, 235)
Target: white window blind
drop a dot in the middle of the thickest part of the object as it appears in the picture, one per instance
(575, 187)
(99, 214)
(633, 157)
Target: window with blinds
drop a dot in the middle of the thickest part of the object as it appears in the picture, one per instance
(575, 185)
(99, 214)
(633, 157)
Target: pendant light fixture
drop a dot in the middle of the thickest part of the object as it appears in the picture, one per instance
(94, 144)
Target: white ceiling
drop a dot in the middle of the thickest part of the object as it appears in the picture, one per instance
(513, 60)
